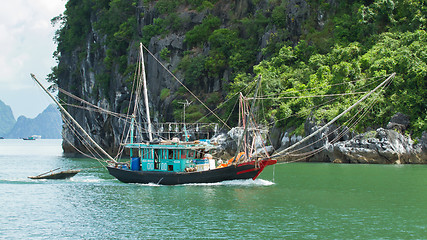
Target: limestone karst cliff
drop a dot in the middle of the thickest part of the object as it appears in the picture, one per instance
(217, 47)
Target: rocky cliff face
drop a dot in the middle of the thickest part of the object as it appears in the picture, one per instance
(383, 146)
(81, 68)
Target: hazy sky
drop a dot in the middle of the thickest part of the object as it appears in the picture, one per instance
(26, 46)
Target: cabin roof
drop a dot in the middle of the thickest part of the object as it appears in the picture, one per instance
(171, 146)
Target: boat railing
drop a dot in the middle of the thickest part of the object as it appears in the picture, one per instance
(184, 132)
(173, 127)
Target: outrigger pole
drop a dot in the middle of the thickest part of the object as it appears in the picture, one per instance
(333, 120)
(72, 119)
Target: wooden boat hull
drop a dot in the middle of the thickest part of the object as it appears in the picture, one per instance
(247, 170)
(58, 175)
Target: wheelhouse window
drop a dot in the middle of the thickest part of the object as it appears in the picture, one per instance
(146, 153)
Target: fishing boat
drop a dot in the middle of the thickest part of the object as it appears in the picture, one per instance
(56, 175)
(171, 162)
(182, 163)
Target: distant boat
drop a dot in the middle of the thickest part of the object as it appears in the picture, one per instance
(56, 175)
(29, 138)
(1, 137)
(34, 137)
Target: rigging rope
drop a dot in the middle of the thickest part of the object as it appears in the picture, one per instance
(85, 143)
(322, 104)
(187, 88)
(88, 103)
(223, 103)
(335, 119)
(312, 96)
(344, 131)
(330, 85)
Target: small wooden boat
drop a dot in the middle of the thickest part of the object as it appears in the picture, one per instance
(56, 175)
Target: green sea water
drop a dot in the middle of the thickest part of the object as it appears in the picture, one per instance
(303, 201)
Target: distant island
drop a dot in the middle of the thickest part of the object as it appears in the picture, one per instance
(7, 121)
(47, 124)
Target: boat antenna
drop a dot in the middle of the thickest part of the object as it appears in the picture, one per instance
(144, 81)
(185, 104)
(72, 119)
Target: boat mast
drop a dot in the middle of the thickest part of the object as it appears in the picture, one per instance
(144, 81)
(240, 143)
(72, 119)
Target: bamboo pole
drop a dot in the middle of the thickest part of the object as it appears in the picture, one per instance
(47, 172)
(333, 120)
(248, 117)
(72, 119)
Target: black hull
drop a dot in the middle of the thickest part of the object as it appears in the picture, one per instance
(241, 171)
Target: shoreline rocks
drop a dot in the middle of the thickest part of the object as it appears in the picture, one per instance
(382, 146)
(386, 146)
(338, 145)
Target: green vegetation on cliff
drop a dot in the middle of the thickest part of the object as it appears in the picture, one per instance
(310, 48)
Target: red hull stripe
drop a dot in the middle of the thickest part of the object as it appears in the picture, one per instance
(248, 170)
(246, 163)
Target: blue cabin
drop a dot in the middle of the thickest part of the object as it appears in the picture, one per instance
(167, 157)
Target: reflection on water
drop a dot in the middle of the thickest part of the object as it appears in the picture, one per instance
(305, 201)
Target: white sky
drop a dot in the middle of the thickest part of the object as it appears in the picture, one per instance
(26, 46)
